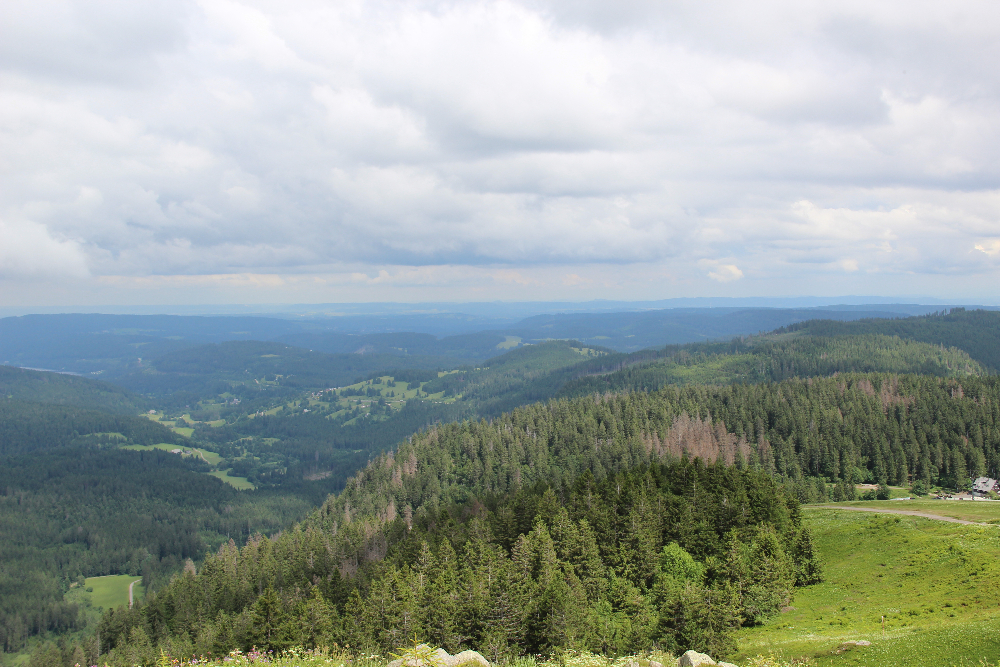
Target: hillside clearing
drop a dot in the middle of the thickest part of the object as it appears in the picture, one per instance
(236, 482)
(112, 591)
(932, 581)
(967, 510)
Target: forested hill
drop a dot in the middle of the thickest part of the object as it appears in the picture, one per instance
(74, 504)
(769, 358)
(588, 522)
(27, 427)
(855, 427)
(60, 389)
(977, 332)
(671, 555)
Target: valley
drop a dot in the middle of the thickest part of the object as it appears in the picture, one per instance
(205, 448)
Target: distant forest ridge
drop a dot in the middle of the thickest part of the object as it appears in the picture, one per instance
(113, 344)
(977, 332)
(67, 390)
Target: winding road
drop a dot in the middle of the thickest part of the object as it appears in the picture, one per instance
(925, 515)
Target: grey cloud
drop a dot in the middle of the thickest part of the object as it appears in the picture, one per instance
(780, 139)
(112, 41)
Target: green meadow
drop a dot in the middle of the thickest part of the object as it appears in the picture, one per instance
(237, 482)
(967, 510)
(509, 343)
(112, 591)
(186, 431)
(932, 583)
(208, 457)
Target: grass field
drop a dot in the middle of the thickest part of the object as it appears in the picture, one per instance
(934, 582)
(238, 482)
(112, 591)
(209, 457)
(968, 510)
(510, 343)
(186, 431)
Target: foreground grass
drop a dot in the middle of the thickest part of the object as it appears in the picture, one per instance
(933, 582)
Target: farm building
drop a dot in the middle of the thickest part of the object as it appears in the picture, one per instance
(983, 485)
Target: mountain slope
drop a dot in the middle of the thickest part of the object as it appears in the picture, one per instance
(60, 389)
(977, 332)
(769, 358)
(855, 427)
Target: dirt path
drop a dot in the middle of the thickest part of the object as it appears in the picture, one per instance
(130, 592)
(925, 515)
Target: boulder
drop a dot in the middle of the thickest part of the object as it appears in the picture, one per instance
(468, 657)
(694, 659)
(441, 658)
(653, 663)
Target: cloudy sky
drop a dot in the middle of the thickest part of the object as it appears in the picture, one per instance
(220, 151)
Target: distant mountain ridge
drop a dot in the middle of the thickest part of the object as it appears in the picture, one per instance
(97, 344)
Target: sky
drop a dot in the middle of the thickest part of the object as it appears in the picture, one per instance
(219, 151)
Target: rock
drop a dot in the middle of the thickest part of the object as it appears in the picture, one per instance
(694, 659)
(653, 663)
(469, 658)
(632, 663)
(441, 658)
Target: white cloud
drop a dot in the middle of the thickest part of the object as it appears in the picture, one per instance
(719, 272)
(798, 140)
(990, 247)
(29, 251)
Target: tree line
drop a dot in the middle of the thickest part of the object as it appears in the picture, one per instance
(673, 554)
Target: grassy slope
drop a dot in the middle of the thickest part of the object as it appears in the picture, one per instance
(112, 591)
(240, 483)
(979, 511)
(933, 581)
(975, 331)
